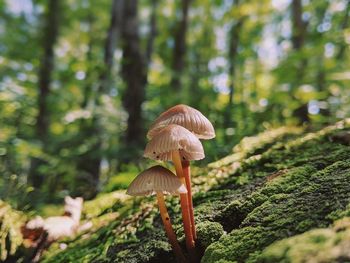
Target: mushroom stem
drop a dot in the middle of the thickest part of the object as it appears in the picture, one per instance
(184, 204)
(169, 229)
(187, 174)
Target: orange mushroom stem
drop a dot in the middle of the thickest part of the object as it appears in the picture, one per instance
(187, 174)
(184, 204)
(169, 229)
(159, 180)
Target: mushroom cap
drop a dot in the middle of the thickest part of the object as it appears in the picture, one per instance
(171, 138)
(186, 116)
(156, 179)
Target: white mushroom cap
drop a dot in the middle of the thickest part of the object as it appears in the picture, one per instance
(156, 179)
(171, 138)
(186, 116)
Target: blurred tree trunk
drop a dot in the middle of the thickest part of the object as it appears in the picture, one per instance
(90, 162)
(109, 49)
(298, 39)
(179, 51)
(299, 26)
(46, 68)
(88, 86)
(232, 55)
(321, 73)
(153, 32)
(134, 75)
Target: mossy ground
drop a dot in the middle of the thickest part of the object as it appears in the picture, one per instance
(305, 181)
(325, 245)
(10, 233)
(276, 187)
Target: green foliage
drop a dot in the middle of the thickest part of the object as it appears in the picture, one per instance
(269, 77)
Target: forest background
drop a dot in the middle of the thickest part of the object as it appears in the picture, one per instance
(82, 80)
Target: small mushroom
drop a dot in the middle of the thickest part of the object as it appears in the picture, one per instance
(174, 138)
(174, 143)
(186, 116)
(194, 121)
(159, 180)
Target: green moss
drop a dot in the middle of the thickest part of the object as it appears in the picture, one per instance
(153, 248)
(10, 231)
(104, 203)
(246, 152)
(291, 204)
(318, 245)
(83, 249)
(120, 181)
(254, 145)
(340, 213)
(208, 232)
(134, 215)
(50, 210)
(263, 193)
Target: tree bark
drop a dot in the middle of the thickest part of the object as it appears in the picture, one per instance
(46, 67)
(88, 91)
(110, 45)
(179, 52)
(299, 27)
(320, 81)
(298, 39)
(134, 75)
(232, 53)
(51, 30)
(152, 33)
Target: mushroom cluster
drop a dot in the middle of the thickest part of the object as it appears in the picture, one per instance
(174, 136)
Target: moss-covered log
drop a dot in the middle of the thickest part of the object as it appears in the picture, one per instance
(318, 245)
(276, 191)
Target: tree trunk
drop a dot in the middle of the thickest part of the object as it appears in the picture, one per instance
(45, 73)
(110, 45)
(179, 52)
(299, 28)
(88, 91)
(134, 75)
(46, 67)
(298, 39)
(153, 32)
(232, 53)
(89, 163)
